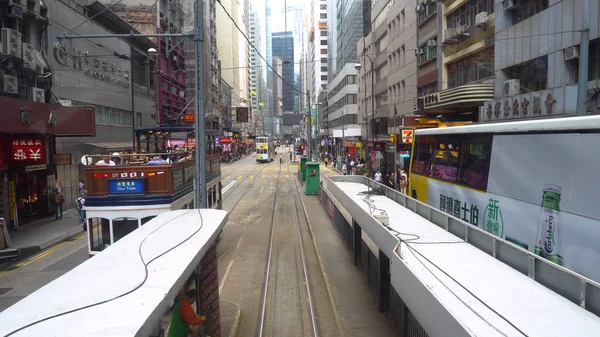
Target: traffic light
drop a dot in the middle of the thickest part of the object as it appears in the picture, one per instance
(392, 138)
(301, 147)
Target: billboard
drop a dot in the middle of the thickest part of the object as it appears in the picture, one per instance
(541, 196)
(241, 114)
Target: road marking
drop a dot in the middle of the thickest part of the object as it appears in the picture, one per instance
(287, 176)
(239, 177)
(225, 276)
(240, 241)
(228, 186)
(227, 178)
(263, 176)
(251, 177)
(223, 168)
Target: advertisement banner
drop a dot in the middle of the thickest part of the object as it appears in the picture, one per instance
(241, 114)
(536, 199)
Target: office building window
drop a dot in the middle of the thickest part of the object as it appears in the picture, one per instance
(428, 12)
(472, 68)
(594, 64)
(528, 9)
(532, 75)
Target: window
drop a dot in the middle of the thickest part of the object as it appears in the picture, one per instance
(594, 63)
(323, 33)
(465, 15)
(532, 75)
(123, 226)
(323, 51)
(323, 60)
(323, 15)
(528, 9)
(139, 119)
(475, 161)
(461, 159)
(323, 42)
(323, 77)
(429, 53)
(428, 12)
(476, 67)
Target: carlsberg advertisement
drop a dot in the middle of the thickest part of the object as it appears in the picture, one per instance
(542, 195)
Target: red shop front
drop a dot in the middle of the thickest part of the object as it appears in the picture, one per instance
(27, 147)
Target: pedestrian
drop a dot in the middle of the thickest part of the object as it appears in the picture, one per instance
(403, 183)
(344, 168)
(81, 185)
(378, 176)
(59, 201)
(183, 316)
(280, 158)
(80, 206)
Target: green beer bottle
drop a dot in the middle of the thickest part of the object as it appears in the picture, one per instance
(548, 243)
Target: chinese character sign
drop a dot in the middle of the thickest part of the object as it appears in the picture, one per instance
(27, 150)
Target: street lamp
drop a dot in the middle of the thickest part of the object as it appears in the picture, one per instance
(358, 66)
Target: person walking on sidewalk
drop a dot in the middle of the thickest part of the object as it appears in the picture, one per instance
(280, 158)
(59, 201)
(183, 316)
(80, 205)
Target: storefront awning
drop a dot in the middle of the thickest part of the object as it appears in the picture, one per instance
(118, 146)
(20, 116)
(455, 100)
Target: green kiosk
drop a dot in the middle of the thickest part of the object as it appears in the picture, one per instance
(302, 167)
(312, 178)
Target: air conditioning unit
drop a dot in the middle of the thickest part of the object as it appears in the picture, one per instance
(481, 20)
(40, 62)
(11, 84)
(419, 9)
(572, 53)
(11, 41)
(450, 35)
(36, 94)
(419, 51)
(28, 56)
(431, 43)
(512, 87)
(510, 4)
(15, 12)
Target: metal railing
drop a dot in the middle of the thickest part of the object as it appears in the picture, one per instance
(572, 286)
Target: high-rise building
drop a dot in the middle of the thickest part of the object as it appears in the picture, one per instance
(257, 79)
(245, 96)
(269, 55)
(170, 56)
(278, 90)
(283, 47)
(316, 50)
(340, 114)
(388, 73)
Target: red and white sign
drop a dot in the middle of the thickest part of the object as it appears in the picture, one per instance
(407, 136)
(27, 150)
(173, 142)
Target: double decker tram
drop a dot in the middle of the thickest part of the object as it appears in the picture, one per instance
(123, 197)
(265, 149)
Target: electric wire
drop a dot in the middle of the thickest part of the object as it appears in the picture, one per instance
(146, 274)
(414, 239)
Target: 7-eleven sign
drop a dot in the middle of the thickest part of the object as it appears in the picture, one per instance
(407, 136)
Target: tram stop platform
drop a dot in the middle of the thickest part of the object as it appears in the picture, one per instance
(355, 308)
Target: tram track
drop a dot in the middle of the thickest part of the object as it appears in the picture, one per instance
(280, 290)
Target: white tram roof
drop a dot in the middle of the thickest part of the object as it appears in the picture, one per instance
(534, 125)
(533, 308)
(117, 271)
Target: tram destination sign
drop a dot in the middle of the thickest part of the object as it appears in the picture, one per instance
(126, 186)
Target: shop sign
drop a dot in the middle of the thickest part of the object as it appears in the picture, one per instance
(404, 154)
(236, 137)
(91, 66)
(28, 150)
(173, 142)
(126, 186)
(32, 168)
(407, 136)
(189, 117)
(62, 159)
(358, 144)
(191, 142)
(226, 140)
(3, 159)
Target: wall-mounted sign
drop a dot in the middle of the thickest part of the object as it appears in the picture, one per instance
(62, 159)
(126, 186)
(407, 136)
(26, 150)
(91, 66)
(241, 114)
(189, 117)
(225, 140)
(32, 168)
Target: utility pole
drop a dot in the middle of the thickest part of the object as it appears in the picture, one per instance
(582, 85)
(317, 128)
(309, 129)
(343, 136)
(395, 148)
(200, 193)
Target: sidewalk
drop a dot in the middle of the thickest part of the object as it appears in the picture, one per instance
(356, 306)
(40, 234)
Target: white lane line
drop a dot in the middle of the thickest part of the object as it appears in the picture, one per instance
(229, 186)
(225, 276)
